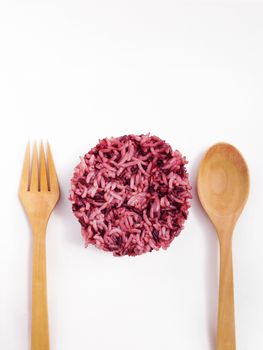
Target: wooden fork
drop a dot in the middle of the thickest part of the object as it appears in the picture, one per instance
(39, 193)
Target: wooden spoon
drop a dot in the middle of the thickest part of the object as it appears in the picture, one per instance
(223, 187)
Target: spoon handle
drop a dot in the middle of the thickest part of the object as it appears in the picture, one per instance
(226, 310)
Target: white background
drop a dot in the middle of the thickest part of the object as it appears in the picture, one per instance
(76, 71)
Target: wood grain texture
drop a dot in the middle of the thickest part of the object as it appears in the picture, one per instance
(223, 187)
(39, 200)
(40, 333)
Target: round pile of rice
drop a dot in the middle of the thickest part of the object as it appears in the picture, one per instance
(131, 194)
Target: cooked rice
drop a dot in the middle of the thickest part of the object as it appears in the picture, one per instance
(131, 194)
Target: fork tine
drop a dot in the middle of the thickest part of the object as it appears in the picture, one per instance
(43, 170)
(53, 180)
(34, 170)
(24, 182)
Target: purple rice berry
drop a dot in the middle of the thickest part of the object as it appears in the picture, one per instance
(131, 194)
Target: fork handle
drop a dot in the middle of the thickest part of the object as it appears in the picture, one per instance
(39, 332)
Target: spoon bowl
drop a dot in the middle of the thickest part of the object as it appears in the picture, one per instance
(223, 182)
(223, 187)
